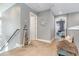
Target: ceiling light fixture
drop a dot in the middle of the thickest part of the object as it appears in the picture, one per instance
(60, 12)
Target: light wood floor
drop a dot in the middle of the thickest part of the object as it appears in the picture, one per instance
(37, 48)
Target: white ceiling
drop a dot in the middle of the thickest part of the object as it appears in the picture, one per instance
(40, 6)
(64, 8)
(56, 8)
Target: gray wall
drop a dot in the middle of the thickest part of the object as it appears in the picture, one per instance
(73, 20)
(11, 22)
(45, 25)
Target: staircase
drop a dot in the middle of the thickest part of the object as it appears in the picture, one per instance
(5, 40)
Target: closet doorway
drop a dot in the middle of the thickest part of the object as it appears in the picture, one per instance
(33, 26)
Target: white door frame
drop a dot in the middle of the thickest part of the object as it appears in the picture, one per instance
(31, 13)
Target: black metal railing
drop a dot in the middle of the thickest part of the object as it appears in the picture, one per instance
(10, 38)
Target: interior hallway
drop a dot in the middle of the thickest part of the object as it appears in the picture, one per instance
(37, 48)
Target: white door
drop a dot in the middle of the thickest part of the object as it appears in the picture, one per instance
(33, 26)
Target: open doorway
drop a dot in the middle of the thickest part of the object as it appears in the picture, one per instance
(33, 26)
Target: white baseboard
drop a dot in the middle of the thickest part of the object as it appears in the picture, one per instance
(19, 45)
(46, 41)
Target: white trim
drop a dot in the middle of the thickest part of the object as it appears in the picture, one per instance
(31, 13)
(46, 41)
(18, 45)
